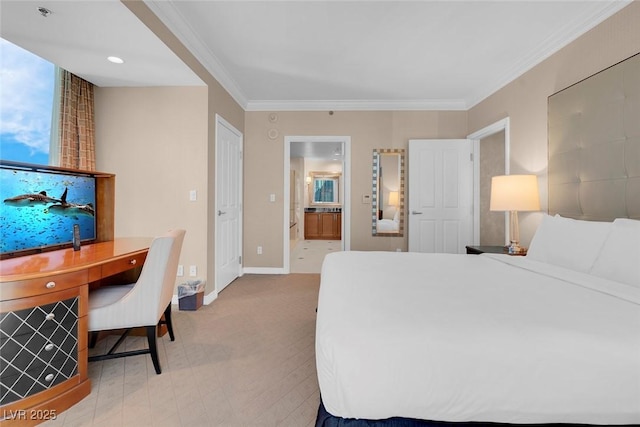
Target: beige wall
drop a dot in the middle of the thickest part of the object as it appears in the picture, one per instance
(264, 168)
(172, 133)
(155, 141)
(525, 99)
(491, 164)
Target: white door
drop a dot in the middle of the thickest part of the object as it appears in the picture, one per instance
(228, 206)
(440, 195)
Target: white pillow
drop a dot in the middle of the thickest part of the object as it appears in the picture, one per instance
(396, 216)
(619, 259)
(568, 243)
(388, 212)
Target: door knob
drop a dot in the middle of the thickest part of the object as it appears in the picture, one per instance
(416, 213)
(221, 213)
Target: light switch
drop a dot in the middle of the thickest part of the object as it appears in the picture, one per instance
(193, 195)
(272, 197)
(366, 199)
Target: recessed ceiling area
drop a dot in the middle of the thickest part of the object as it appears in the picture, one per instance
(312, 55)
(79, 36)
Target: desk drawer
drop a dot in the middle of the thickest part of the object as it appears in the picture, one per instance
(39, 348)
(124, 264)
(43, 285)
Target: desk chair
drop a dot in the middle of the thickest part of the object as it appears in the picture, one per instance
(139, 304)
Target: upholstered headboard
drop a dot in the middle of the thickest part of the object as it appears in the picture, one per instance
(594, 145)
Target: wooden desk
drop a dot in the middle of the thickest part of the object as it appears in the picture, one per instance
(48, 292)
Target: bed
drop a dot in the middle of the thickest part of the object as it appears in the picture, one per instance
(389, 222)
(388, 226)
(553, 337)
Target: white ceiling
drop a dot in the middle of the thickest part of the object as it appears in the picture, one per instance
(79, 35)
(329, 150)
(312, 55)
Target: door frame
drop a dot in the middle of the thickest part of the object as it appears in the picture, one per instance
(220, 121)
(346, 180)
(476, 137)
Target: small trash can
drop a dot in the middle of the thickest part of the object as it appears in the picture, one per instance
(190, 295)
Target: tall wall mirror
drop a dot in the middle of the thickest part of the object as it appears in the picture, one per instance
(324, 189)
(387, 195)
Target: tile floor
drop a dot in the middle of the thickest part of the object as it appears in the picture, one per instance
(307, 255)
(247, 359)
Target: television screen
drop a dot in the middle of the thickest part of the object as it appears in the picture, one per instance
(40, 208)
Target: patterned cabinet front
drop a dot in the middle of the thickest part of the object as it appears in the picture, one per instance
(38, 346)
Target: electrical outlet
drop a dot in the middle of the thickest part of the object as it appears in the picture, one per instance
(272, 197)
(180, 271)
(193, 271)
(259, 250)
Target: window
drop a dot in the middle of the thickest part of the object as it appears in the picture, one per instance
(325, 191)
(325, 188)
(26, 105)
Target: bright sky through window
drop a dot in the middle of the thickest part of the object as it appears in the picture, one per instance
(26, 103)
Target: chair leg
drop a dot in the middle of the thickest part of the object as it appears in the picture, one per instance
(167, 321)
(153, 348)
(93, 339)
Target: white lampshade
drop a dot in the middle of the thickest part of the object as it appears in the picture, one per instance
(393, 198)
(514, 193)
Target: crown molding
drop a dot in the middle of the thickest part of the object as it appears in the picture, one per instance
(358, 105)
(179, 26)
(556, 41)
(166, 11)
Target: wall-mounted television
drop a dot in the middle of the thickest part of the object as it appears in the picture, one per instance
(40, 206)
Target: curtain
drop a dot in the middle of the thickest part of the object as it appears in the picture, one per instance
(76, 130)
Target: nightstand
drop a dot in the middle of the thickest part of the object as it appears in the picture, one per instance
(477, 250)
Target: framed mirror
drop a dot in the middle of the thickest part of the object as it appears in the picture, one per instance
(324, 189)
(387, 196)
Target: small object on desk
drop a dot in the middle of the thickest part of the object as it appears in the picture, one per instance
(76, 237)
(477, 250)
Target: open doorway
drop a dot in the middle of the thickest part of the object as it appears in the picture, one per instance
(317, 188)
(491, 157)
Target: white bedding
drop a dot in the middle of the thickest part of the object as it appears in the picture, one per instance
(475, 338)
(387, 226)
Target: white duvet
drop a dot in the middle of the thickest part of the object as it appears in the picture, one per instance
(475, 338)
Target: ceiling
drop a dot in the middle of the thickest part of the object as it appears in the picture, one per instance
(311, 55)
(328, 150)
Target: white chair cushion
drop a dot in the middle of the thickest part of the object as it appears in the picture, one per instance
(143, 303)
(107, 295)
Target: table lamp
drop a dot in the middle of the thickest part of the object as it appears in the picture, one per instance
(513, 193)
(393, 198)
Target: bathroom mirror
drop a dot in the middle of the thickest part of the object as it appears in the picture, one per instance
(387, 196)
(324, 188)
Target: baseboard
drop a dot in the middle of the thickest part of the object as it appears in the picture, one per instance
(263, 270)
(210, 297)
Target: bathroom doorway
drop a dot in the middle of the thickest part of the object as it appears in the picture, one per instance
(312, 161)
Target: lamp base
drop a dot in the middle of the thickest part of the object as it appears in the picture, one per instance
(515, 248)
